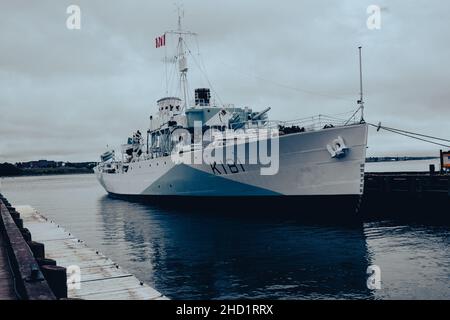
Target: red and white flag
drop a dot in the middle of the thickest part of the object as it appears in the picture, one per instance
(160, 41)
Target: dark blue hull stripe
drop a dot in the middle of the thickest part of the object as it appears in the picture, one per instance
(185, 180)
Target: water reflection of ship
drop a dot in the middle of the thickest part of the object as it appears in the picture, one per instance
(194, 255)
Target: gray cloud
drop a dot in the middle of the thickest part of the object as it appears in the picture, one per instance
(67, 94)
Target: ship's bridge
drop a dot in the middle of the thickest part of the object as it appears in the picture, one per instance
(169, 106)
(169, 109)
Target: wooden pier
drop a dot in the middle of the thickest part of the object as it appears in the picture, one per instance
(6, 277)
(91, 275)
(28, 268)
(21, 274)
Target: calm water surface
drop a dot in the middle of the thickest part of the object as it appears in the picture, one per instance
(209, 255)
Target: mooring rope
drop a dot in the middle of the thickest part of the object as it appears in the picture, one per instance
(413, 135)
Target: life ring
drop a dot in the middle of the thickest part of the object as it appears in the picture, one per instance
(337, 148)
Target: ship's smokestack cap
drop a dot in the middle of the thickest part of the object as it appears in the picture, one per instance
(202, 97)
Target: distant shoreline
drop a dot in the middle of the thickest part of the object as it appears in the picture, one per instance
(11, 170)
(53, 173)
(395, 159)
(24, 170)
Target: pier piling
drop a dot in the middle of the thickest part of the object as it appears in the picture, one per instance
(37, 248)
(57, 279)
(46, 262)
(26, 234)
(21, 266)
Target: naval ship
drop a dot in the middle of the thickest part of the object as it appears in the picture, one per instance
(200, 149)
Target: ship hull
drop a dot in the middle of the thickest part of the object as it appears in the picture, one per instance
(306, 172)
(308, 207)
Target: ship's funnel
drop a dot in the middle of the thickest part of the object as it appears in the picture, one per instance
(202, 97)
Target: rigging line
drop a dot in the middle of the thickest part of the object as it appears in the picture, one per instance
(205, 75)
(170, 81)
(417, 138)
(203, 72)
(172, 74)
(418, 134)
(172, 85)
(198, 46)
(353, 115)
(200, 56)
(165, 67)
(413, 137)
(335, 118)
(288, 86)
(169, 70)
(325, 117)
(343, 113)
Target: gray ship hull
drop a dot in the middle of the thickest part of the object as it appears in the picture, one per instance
(306, 170)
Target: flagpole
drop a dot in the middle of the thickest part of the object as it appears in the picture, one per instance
(361, 100)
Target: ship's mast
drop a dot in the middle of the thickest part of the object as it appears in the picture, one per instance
(181, 57)
(182, 62)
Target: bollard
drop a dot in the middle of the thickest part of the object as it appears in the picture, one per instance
(19, 223)
(14, 214)
(37, 248)
(57, 280)
(35, 273)
(45, 262)
(26, 234)
(432, 169)
(448, 182)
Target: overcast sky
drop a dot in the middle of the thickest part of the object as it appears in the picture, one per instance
(66, 94)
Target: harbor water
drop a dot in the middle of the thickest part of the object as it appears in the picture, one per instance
(187, 254)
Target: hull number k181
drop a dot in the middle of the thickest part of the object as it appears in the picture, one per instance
(229, 168)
